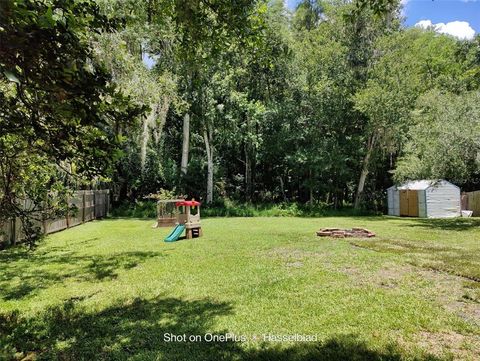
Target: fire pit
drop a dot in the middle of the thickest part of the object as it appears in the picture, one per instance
(342, 233)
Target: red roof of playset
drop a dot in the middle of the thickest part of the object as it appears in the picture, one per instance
(187, 203)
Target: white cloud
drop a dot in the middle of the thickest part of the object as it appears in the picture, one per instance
(404, 4)
(459, 29)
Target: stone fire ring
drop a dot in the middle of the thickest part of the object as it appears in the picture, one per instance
(342, 233)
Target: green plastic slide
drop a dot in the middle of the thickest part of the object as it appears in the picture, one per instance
(175, 234)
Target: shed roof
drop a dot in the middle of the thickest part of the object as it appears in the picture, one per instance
(418, 185)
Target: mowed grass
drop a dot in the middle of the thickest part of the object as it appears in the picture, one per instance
(113, 289)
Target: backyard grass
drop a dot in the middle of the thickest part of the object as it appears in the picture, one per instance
(112, 289)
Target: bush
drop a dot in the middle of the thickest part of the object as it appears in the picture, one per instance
(139, 209)
(228, 208)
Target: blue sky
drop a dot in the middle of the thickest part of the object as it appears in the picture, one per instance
(460, 18)
(448, 14)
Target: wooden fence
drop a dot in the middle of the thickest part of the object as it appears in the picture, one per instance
(89, 205)
(471, 202)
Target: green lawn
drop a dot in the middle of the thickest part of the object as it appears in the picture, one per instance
(113, 290)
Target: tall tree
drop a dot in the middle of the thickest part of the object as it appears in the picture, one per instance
(410, 63)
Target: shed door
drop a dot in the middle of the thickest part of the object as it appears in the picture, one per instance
(413, 203)
(409, 203)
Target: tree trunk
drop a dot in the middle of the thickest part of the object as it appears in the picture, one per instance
(364, 172)
(144, 141)
(282, 188)
(207, 137)
(162, 110)
(186, 143)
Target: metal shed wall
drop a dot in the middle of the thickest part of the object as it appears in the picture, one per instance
(443, 200)
(393, 201)
(422, 204)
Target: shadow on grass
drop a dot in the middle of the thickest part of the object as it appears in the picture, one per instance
(24, 273)
(135, 331)
(446, 224)
(449, 224)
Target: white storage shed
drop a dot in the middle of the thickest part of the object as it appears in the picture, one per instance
(425, 199)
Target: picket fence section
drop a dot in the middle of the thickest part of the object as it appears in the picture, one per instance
(90, 205)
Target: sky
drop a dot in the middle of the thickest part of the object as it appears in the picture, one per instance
(460, 18)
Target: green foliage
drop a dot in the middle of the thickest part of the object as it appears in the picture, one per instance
(407, 64)
(58, 108)
(164, 194)
(137, 209)
(33, 189)
(294, 108)
(469, 57)
(228, 208)
(444, 141)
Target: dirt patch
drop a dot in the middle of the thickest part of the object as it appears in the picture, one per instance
(454, 294)
(386, 277)
(449, 291)
(392, 275)
(461, 347)
(394, 272)
(447, 345)
(468, 311)
(352, 271)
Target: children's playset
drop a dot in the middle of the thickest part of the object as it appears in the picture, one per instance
(183, 214)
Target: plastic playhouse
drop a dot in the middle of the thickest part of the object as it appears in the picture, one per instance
(188, 220)
(167, 212)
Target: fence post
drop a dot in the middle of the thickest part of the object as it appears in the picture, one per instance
(44, 221)
(107, 202)
(94, 204)
(68, 214)
(83, 206)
